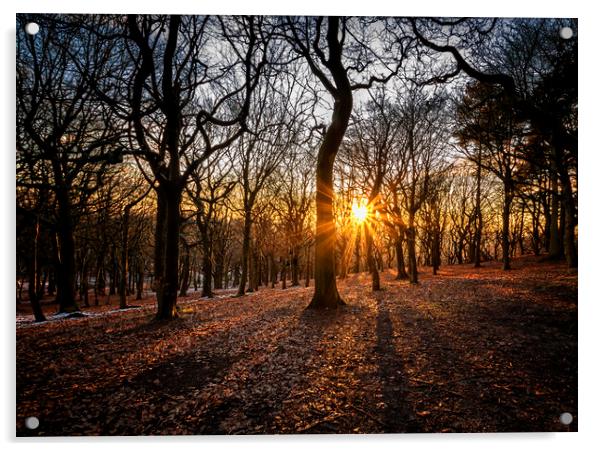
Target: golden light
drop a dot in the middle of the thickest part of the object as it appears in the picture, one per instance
(359, 210)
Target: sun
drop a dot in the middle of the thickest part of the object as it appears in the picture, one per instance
(359, 212)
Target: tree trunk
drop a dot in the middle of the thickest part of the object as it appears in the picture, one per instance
(283, 272)
(506, 227)
(326, 295)
(65, 279)
(246, 245)
(401, 268)
(207, 267)
(140, 281)
(371, 260)
(218, 275)
(570, 248)
(51, 282)
(124, 259)
(159, 256)
(357, 244)
(168, 289)
(271, 270)
(479, 217)
(185, 272)
(412, 264)
(35, 290)
(114, 271)
(556, 249)
(307, 266)
(251, 271)
(435, 251)
(295, 266)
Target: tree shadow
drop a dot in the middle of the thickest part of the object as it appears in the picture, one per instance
(397, 415)
(492, 363)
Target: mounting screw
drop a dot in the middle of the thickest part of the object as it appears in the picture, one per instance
(566, 32)
(566, 418)
(32, 28)
(32, 422)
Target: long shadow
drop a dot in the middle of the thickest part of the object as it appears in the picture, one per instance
(500, 366)
(397, 414)
(260, 405)
(90, 409)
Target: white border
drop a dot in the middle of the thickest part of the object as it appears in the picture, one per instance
(590, 312)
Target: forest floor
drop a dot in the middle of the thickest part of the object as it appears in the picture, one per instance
(468, 350)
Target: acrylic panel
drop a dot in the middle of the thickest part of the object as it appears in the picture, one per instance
(295, 225)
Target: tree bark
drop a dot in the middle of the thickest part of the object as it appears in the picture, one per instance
(401, 268)
(412, 264)
(159, 254)
(326, 295)
(35, 290)
(185, 282)
(479, 216)
(506, 227)
(168, 292)
(295, 266)
(307, 266)
(246, 245)
(65, 279)
(371, 260)
(570, 249)
(283, 272)
(556, 250)
(124, 259)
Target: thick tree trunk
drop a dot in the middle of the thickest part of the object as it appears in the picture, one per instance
(207, 268)
(568, 202)
(66, 257)
(326, 295)
(159, 255)
(570, 248)
(168, 292)
(251, 270)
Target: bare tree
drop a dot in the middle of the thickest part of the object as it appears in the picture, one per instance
(334, 48)
(63, 142)
(178, 101)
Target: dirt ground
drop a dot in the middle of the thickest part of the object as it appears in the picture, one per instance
(468, 350)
